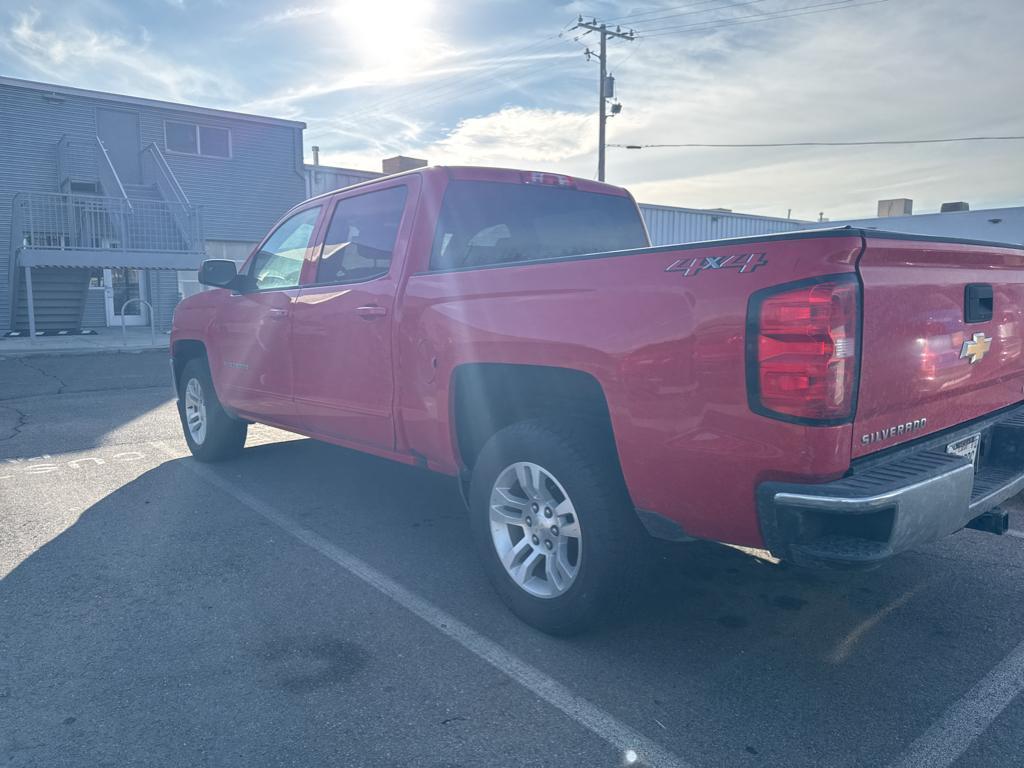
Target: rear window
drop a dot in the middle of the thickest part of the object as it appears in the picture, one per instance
(486, 222)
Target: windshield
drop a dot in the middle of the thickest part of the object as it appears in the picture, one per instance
(485, 222)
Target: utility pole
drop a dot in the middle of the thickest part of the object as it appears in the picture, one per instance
(603, 93)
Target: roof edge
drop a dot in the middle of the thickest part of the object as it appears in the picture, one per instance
(68, 90)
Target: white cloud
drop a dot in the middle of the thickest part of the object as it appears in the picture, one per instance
(517, 136)
(106, 61)
(291, 14)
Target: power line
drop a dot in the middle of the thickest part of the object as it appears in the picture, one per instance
(804, 10)
(874, 143)
(722, 7)
(632, 17)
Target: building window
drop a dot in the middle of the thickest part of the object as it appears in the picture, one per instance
(192, 139)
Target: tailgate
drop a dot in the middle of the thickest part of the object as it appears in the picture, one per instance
(931, 357)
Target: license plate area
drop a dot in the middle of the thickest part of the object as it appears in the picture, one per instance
(968, 447)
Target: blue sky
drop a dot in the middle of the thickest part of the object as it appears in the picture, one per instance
(505, 83)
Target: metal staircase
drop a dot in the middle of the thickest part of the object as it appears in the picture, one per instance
(91, 222)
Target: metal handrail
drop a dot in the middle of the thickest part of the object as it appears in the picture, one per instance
(107, 172)
(167, 175)
(185, 216)
(57, 220)
(152, 322)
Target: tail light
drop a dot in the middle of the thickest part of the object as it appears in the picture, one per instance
(802, 350)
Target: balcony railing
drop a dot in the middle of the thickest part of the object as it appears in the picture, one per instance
(60, 221)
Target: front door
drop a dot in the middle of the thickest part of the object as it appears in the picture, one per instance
(118, 129)
(344, 386)
(251, 361)
(124, 291)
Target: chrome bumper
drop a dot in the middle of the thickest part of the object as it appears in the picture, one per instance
(890, 503)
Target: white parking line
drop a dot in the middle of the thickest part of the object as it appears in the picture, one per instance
(1018, 534)
(968, 717)
(634, 747)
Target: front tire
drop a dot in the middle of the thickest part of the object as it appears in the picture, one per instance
(211, 433)
(553, 524)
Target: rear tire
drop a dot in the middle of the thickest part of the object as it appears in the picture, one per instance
(211, 433)
(553, 524)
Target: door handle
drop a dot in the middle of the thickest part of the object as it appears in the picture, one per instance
(371, 311)
(277, 314)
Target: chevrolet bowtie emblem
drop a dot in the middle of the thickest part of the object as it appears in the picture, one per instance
(975, 348)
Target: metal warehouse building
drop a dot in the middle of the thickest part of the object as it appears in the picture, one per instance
(669, 224)
(1003, 225)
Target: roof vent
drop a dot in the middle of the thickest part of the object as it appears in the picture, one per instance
(954, 207)
(900, 206)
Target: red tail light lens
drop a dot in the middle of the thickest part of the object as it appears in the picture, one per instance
(802, 351)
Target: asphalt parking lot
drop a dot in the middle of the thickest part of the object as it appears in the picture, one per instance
(306, 605)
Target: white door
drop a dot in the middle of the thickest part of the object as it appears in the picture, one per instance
(122, 285)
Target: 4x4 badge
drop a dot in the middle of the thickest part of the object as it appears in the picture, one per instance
(744, 262)
(975, 348)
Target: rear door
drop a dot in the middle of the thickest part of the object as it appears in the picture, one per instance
(344, 317)
(942, 329)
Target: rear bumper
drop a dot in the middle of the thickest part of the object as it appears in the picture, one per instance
(895, 500)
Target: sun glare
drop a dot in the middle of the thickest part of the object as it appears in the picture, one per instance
(391, 38)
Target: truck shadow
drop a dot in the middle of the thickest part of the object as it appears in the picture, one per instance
(168, 600)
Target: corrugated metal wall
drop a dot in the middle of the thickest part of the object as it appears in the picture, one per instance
(163, 295)
(95, 314)
(668, 225)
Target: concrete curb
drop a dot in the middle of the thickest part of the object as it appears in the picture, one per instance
(78, 351)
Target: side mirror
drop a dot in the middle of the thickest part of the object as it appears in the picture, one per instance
(219, 273)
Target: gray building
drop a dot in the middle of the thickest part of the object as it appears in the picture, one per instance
(107, 198)
(1003, 225)
(669, 224)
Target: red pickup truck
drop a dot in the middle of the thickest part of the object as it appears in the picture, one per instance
(835, 396)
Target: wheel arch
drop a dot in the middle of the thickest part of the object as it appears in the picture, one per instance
(486, 397)
(185, 350)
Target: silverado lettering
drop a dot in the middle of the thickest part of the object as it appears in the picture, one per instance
(899, 429)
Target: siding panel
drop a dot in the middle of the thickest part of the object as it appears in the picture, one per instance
(95, 314)
(669, 225)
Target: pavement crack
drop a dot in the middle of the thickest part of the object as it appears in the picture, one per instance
(85, 391)
(21, 424)
(61, 384)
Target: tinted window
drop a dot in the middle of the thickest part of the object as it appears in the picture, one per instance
(181, 137)
(214, 141)
(193, 139)
(279, 261)
(484, 222)
(361, 237)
